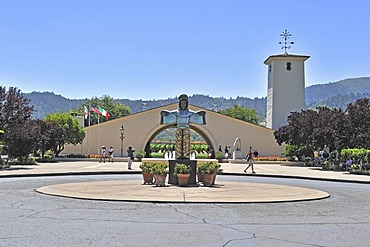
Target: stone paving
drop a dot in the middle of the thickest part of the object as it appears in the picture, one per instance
(225, 192)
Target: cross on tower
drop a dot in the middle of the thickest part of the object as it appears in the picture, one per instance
(286, 35)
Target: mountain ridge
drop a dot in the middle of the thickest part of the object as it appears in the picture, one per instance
(333, 94)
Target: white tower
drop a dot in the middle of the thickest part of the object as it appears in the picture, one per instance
(286, 86)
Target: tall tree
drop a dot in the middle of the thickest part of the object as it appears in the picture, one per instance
(241, 113)
(359, 116)
(48, 135)
(15, 120)
(115, 109)
(73, 133)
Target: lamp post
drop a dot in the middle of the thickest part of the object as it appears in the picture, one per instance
(122, 129)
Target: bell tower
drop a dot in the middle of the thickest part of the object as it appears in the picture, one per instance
(286, 85)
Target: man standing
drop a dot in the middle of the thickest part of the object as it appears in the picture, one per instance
(250, 160)
(130, 153)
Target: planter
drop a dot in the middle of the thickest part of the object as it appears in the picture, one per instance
(183, 179)
(160, 180)
(199, 176)
(208, 179)
(148, 178)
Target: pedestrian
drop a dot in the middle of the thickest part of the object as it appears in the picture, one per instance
(249, 160)
(102, 153)
(111, 154)
(220, 148)
(226, 152)
(229, 152)
(130, 153)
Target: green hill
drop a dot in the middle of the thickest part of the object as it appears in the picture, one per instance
(333, 94)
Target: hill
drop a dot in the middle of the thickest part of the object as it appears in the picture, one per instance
(333, 94)
(338, 94)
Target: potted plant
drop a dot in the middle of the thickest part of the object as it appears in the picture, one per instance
(146, 168)
(159, 171)
(209, 171)
(182, 171)
(220, 156)
(140, 155)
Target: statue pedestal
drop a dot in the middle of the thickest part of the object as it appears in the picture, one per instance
(238, 155)
(193, 165)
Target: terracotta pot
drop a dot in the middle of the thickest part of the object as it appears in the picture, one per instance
(207, 179)
(148, 178)
(214, 178)
(160, 180)
(199, 176)
(183, 179)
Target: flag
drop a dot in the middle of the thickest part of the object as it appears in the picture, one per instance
(104, 113)
(94, 109)
(86, 112)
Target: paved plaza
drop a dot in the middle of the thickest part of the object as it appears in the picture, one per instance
(30, 218)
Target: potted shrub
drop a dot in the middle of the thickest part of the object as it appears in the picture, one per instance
(159, 171)
(220, 156)
(182, 171)
(209, 171)
(140, 155)
(146, 168)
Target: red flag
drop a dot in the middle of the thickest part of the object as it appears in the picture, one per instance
(94, 109)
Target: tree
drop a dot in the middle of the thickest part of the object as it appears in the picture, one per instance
(359, 116)
(115, 109)
(241, 113)
(48, 134)
(20, 140)
(72, 134)
(15, 120)
(315, 129)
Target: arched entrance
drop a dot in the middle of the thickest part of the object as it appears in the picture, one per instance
(192, 127)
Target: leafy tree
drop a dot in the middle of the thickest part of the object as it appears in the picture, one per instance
(359, 116)
(72, 134)
(20, 140)
(15, 120)
(48, 134)
(241, 113)
(114, 108)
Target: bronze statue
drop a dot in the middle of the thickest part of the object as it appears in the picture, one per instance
(182, 117)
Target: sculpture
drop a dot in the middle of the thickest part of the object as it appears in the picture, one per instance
(182, 117)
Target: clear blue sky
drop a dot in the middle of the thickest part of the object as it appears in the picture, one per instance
(156, 49)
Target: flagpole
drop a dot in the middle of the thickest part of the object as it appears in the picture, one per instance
(88, 135)
(98, 133)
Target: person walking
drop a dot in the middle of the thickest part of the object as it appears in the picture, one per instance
(102, 153)
(250, 160)
(111, 154)
(130, 153)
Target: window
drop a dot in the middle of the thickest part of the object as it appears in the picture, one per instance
(289, 66)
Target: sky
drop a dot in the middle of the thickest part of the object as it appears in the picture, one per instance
(159, 49)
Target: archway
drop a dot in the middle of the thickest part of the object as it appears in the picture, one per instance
(158, 131)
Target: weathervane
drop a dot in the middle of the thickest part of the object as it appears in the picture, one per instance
(287, 44)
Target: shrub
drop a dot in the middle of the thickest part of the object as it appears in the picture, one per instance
(157, 155)
(159, 169)
(181, 168)
(147, 166)
(209, 167)
(140, 155)
(201, 156)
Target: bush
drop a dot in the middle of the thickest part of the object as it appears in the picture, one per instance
(157, 155)
(219, 156)
(147, 166)
(201, 156)
(208, 167)
(140, 155)
(159, 169)
(181, 168)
